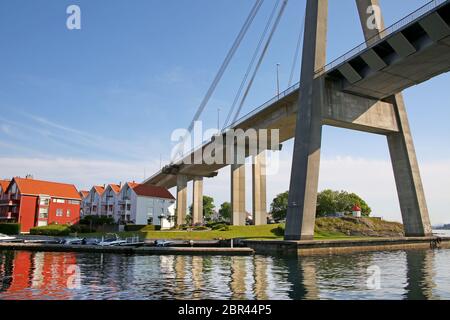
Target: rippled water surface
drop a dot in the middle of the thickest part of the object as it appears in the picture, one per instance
(412, 274)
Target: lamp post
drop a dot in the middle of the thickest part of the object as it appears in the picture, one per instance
(278, 79)
(218, 119)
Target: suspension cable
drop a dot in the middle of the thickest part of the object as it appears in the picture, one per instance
(297, 50)
(226, 62)
(263, 53)
(250, 66)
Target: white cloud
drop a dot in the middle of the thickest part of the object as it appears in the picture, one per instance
(82, 173)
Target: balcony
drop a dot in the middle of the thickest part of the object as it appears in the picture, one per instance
(8, 202)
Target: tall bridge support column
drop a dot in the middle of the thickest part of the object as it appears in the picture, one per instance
(197, 203)
(302, 201)
(181, 199)
(259, 189)
(411, 195)
(238, 213)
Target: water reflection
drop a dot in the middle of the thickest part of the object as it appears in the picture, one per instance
(404, 275)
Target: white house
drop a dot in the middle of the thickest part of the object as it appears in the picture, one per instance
(143, 204)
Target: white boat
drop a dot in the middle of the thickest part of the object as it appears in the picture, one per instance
(73, 241)
(6, 238)
(113, 241)
(163, 243)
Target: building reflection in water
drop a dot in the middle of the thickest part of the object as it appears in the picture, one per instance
(40, 275)
(411, 274)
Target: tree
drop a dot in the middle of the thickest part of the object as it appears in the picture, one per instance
(328, 202)
(208, 208)
(279, 206)
(225, 211)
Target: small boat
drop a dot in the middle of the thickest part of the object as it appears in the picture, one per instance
(163, 243)
(132, 242)
(90, 242)
(6, 238)
(113, 241)
(73, 241)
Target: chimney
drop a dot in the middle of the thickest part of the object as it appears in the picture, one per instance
(120, 184)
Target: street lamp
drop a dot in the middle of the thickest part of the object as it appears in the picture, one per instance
(218, 119)
(278, 79)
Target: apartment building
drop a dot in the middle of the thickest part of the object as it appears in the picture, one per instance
(34, 203)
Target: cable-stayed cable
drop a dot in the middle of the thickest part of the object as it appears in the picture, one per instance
(223, 67)
(227, 60)
(250, 66)
(263, 53)
(297, 50)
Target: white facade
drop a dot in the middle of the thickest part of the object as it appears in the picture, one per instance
(109, 202)
(142, 210)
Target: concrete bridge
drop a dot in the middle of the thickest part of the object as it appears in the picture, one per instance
(360, 91)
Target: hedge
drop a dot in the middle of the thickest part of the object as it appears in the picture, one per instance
(142, 228)
(134, 227)
(51, 230)
(10, 229)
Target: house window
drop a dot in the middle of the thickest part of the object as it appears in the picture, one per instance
(59, 212)
(59, 201)
(74, 202)
(44, 201)
(94, 209)
(43, 213)
(68, 213)
(128, 207)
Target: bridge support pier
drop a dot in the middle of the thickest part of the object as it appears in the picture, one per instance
(321, 104)
(197, 201)
(410, 191)
(259, 189)
(301, 213)
(238, 214)
(181, 199)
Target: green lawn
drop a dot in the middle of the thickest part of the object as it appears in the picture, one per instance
(266, 232)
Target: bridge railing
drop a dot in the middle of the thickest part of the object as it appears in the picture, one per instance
(235, 124)
(383, 34)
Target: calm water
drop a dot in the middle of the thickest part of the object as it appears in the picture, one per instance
(414, 274)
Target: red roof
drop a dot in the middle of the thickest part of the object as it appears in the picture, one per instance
(151, 191)
(115, 187)
(356, 208)
(53, 189)
(4, 184)
(84, 193)
(99, 189)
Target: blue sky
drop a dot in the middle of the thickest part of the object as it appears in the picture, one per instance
(98, 105)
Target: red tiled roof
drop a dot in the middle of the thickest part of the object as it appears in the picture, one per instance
(150, 191)
(84, 193)
(99, 189)
(53, 189)
(115, 187)
(4, 184)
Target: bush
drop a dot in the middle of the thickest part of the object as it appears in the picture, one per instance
(218, 226)
(10, 229)
(134, 227)
(51, 230)
(80, 228)
(151, 228)
(200, 228)
(97, 221)
(225, 227)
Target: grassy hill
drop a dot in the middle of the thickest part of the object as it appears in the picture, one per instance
(326, 228)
